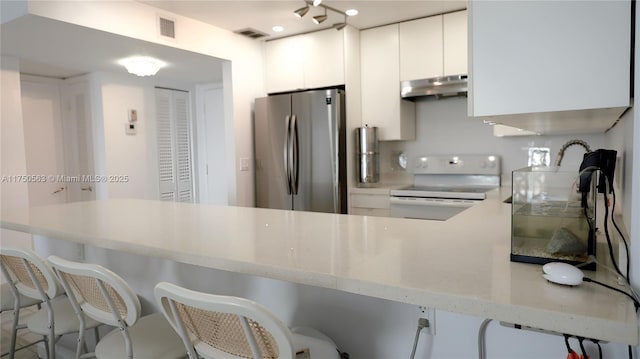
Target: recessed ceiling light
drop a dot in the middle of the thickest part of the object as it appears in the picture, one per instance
(351, 12)
(277, 28)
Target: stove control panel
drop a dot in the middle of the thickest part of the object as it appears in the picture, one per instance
(458, 164)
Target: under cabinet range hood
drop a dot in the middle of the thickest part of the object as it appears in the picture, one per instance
(455, 85)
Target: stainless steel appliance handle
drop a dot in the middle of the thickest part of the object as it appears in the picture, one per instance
(296, 155)
(287, 151)
(413, 201)
(334, 144)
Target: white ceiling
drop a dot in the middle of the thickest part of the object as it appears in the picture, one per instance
(57, 49)
(61, 50)
(262, 15)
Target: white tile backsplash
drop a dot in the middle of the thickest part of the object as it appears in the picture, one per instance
(443, 127)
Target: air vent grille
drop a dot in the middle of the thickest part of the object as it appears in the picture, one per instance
(251, 33)
(167, 28)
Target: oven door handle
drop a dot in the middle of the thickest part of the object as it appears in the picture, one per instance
(413, 201)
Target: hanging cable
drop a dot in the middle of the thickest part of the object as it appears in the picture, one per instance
(597, 342)
(482, 352)
(422, 323)
(626, 245)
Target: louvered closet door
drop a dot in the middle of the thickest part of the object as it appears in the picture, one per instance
(174, 145)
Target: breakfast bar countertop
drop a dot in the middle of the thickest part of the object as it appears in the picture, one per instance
(460, 265)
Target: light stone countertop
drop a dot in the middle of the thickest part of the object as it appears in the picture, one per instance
(460, 265)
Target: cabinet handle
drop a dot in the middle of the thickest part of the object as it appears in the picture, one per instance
(88, 188)
(58, 190)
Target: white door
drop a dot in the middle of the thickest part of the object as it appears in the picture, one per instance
(174, 145)
(78, 144)
(43, 135)
(212, 143)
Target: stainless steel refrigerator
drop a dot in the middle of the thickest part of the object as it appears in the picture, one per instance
(300, 151)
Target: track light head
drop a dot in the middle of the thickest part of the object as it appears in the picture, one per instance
(319, 19)
(317, 2)
(339, 26)
(301, 11)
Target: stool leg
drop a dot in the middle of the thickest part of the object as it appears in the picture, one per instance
(14, 330)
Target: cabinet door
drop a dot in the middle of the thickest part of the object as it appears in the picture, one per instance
(543, 56)
(324, 59)
(284, 64)
(455, 43)
(381, 103)
(421, 51)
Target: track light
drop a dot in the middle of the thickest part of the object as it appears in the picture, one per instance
(340, 25)
(318, 19)
(301, 11)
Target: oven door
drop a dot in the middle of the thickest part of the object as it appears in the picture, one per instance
(439, 209)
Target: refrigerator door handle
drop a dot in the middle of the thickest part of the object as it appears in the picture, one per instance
(295, 155)
(334, 150)
(287, 151)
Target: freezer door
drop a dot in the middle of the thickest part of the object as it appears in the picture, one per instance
(319, 158)
(271, 137)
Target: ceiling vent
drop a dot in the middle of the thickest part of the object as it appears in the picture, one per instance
(167, 27)
(251, 33)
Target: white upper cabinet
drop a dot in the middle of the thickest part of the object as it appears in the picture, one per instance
(550, 66)
(285, 64)
(421, 50)
(380, 77)
(324, 59)
(455, 44)
(306, 61)
(434, 46)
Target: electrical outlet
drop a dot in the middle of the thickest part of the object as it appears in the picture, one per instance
(430, 314)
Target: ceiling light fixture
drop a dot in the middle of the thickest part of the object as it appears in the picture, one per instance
(277, 28)
(142, 65)
(341, 25)
(301, 11)
(319, 19)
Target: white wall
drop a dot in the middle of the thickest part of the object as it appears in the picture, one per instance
(12, 149)
(243, 77)
(130, 155)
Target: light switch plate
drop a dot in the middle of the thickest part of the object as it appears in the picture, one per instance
(244, 164)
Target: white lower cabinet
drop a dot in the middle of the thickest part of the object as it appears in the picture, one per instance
(370, 204)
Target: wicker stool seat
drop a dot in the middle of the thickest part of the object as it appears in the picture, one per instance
(104, 296)
(33, 278)
(215, 326)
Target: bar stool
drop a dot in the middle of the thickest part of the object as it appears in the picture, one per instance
(106, 297)
(215, 326)
(34, 278)
(10, 299)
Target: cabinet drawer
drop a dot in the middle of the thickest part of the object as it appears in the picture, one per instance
(376, 212)
(369, 201)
